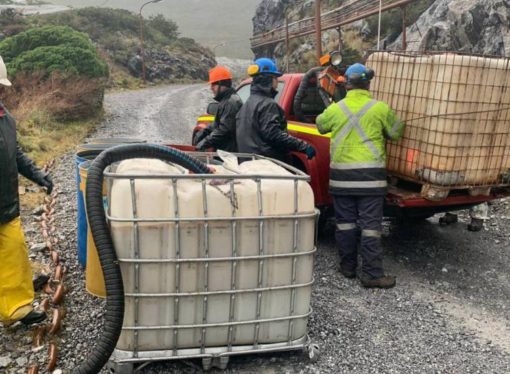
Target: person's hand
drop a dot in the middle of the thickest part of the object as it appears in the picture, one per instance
(201, 135)
(310, 152)
(47, 182)
(201, 145)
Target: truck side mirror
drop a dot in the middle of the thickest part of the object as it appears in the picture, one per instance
(212, 108)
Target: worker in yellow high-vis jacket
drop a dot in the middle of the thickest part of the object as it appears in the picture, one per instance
(360, 126)
(16, 287)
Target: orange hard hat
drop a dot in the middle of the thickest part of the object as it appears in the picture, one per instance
(219, 73)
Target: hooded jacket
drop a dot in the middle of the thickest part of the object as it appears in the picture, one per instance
(222, 133)
(261, 124)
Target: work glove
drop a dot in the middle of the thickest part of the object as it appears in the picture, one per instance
(48, 183)
(310, 152)
(201, 135)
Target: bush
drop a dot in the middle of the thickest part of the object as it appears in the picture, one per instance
(12, 47)
(52, 48)
(66, 59)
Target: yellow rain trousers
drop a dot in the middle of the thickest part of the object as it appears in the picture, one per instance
(16, 288)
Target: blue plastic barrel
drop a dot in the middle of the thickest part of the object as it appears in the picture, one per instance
(84, 154)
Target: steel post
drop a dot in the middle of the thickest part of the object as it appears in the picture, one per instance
(287, 44)
(404, 29)
(318, 29)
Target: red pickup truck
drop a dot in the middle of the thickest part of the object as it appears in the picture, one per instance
(404, 199)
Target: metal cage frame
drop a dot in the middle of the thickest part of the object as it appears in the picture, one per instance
(123, 361)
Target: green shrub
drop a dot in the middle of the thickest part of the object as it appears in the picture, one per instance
(31, 39)
(52, 49)
(66, 59)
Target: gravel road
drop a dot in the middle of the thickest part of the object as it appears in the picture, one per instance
(450, 311)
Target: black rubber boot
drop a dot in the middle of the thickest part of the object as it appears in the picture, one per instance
(33, 317)
(348, 273)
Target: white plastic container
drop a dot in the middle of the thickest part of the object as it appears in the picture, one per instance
(243, 277)
(456, 108)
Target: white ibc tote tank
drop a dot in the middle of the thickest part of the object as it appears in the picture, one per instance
(225, 261)
(456, 108)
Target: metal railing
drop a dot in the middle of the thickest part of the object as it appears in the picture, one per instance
(346, 14)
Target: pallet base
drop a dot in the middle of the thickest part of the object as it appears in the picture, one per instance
(124, 361)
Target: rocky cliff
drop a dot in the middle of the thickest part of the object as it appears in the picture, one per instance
(272, 13)
(474, 26)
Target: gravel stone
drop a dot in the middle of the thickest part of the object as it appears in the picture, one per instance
(38, 247)
(5, 361)
(431, 322)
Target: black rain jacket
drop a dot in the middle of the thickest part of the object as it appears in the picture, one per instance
(12, 162)
(222, 133)
(262, 127)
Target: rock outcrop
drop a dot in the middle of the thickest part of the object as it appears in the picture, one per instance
(269, 15)
(473, 26)
(164, 65)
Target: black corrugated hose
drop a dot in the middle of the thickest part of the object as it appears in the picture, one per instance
(114, 315)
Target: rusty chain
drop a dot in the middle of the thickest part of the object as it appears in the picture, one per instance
(54, 288)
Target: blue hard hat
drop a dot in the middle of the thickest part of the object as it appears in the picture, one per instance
(357, 70)
(358, 73)
(264, 66)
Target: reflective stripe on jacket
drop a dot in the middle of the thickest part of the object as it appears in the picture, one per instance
(360, 126)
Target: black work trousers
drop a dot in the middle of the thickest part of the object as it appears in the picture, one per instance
(357, 215)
